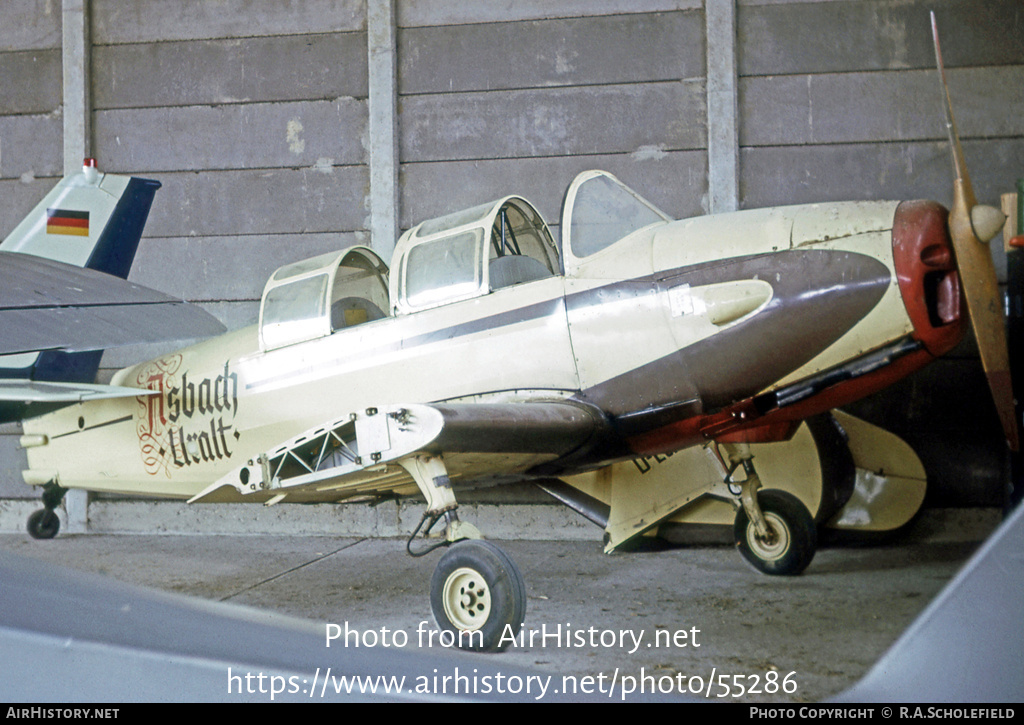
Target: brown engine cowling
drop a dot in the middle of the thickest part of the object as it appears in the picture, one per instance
(927, 274)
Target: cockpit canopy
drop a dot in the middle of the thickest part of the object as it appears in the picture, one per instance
(470, 253)
(317, 296)
(491, 247)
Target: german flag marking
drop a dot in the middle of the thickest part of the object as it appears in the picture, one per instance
(65, 221)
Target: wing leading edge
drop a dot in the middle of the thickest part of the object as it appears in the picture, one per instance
(370, 451)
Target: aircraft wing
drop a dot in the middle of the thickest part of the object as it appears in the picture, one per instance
(49, 305)
(366, 452)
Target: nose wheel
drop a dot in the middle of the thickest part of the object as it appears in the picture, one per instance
(477, 594)
(773, 529)
(791, 538)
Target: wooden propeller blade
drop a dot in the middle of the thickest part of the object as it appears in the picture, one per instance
(978, 276)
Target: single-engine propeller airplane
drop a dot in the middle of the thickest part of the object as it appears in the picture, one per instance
(488, 353)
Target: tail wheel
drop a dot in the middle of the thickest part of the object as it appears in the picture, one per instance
(477, 593)
(43, 524)
(793, 540)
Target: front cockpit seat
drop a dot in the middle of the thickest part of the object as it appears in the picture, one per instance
(351, 311)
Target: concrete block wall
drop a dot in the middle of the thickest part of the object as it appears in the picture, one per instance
(30, 106)
(256, 121)
(497, 104)
(841, 99)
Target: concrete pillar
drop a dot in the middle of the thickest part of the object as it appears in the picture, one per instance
(383, 110)
(77, 145)
(77, 97)
(723, 127)
(76, 505)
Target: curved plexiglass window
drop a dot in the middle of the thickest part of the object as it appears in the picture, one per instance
(443, 270)
(604, 212)
(294, 312)
(458, 219)
(303, 266)
(302, 300)
(360, 292)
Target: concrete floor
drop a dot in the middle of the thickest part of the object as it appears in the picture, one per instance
(827, 627)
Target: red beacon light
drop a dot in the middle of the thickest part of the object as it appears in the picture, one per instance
(90, 170)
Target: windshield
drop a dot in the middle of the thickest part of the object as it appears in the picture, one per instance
(604, 212)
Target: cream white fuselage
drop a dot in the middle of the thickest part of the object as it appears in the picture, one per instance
(223, 401)
(216, 405)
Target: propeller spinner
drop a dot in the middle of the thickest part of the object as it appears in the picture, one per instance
(971, 227)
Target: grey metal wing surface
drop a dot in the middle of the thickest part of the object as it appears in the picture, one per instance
(49, 305)
(70, 636)
(370, 451)
(973, 626)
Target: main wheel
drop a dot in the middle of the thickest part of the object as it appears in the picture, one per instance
(477, 593)
(43, 524)
(794, 536)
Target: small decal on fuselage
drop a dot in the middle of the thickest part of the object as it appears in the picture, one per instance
(643, 464)
(191, 422)
(682, 302)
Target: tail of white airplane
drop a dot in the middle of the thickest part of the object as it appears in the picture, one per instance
(89, 220)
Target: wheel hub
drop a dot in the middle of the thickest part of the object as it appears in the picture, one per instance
(776, 544)
(467, 599)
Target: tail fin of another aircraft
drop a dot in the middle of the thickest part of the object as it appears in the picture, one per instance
(89, 220)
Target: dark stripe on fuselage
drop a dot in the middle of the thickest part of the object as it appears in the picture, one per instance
(84, 429)
(818, 295)
(535, 311)
(802, 274)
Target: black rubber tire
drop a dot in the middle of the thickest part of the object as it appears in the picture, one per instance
(786, 515)
(43, 524)
(477, 579)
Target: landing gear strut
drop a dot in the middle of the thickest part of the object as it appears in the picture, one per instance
(44, 523)
(477, 592)
(773, 530)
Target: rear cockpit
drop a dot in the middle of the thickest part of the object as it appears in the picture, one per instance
(318, 296)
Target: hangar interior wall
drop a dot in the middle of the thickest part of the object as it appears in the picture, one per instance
(256, 121)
